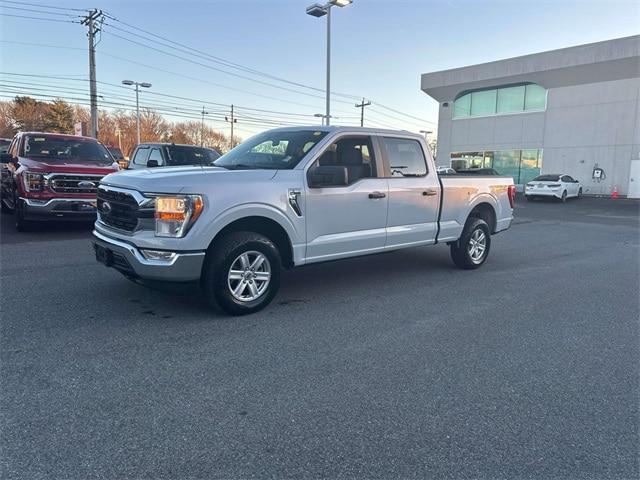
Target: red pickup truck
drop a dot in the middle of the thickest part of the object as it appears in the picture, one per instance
(50, 176)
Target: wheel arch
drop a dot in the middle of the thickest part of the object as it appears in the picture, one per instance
(487, 212)
(263, 225)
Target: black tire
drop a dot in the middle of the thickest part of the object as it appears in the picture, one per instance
(6, 208)
(461, 250)
(22, 225)
(529, 198)
(580, 192)
(563, 199)
(216, 284)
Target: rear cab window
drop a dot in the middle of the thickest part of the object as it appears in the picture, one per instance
(405, 156)
(141, 155)
(189, 155)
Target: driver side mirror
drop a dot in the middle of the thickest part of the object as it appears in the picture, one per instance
(328, 176)
(152, 163)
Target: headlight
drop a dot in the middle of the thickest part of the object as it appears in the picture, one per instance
(175, 214)
(33, 182)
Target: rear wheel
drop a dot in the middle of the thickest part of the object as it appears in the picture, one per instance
(529, 198)
(580, 193)
(242, 273)
(472, 249)
(563, 199)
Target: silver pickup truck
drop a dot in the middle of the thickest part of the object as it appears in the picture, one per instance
(289, 197)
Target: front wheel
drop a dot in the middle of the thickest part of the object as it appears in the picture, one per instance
(580, 193)
(8, 202)
(472, 249)
(242, 273)
(22, 225)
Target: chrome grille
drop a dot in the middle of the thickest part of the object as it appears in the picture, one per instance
(74, 183)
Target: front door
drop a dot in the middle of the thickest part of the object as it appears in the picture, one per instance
(347, 220)
(634, 180)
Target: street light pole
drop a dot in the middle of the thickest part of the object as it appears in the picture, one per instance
(137, 115)
(317, 10)
(137, 84)
(328, 99)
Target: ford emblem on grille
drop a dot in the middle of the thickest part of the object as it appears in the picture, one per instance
(105, 207)
(86, 184)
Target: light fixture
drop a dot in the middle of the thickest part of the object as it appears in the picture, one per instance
(127, 82)
(316, 10)
(145, 85)
(340, 3)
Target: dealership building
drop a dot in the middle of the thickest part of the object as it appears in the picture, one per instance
(575, 111)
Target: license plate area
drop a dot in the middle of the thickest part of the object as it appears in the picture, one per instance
(103, 255)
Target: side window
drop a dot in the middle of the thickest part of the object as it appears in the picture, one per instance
(353, 153)
(566, 178)
(156, 155)
(141, 156)
(406, 158)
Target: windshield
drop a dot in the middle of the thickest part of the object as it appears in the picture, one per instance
(547, 178)
(51, 148)
(185, 155)
(116, 153)
(4, 145)
(275, 150)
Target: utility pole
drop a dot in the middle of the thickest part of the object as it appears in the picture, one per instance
(231, 120)
(90, 21)
(361, 107)
(202, 127)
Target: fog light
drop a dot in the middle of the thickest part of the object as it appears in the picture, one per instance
(158, 255)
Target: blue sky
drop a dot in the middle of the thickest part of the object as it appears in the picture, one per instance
(380, 48)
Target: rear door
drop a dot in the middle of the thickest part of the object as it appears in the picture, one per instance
(414, 193)
(347, 220)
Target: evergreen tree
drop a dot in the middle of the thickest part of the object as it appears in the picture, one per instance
(59, 117)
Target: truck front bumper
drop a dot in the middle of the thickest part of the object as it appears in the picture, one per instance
(147, 264)
(81, 209)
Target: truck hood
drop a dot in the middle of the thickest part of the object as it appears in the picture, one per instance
(188, 179)
(66, 166)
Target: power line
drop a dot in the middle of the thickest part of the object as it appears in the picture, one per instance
(53, 7)
(214, 58)
(37, 18)
(215, 68)
(65, 14)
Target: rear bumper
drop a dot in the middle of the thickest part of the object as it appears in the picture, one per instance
(81, 209)
(544, 193)
(129, 259)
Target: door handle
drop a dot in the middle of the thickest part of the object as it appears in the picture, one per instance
(377, 195)
(430, 192)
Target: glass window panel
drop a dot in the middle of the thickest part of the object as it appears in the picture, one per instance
(406, 158)
(535, 98)
(507, 162)
(511, 99)
(483, 103)
(529, 168)
(488, 159)
(462, 106)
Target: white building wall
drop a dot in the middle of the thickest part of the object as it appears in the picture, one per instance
(583, 125)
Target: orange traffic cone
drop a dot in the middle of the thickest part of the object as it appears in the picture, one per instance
(614, 194)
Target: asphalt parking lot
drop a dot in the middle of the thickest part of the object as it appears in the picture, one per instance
(396, 365)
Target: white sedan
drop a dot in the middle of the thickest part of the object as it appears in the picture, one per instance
(558, 186)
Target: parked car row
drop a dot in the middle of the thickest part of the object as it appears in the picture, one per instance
(52, 176)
